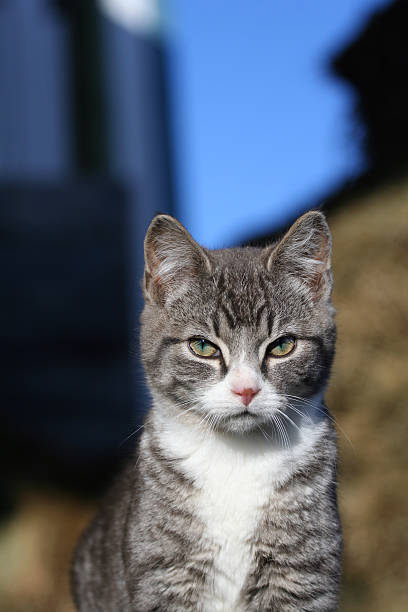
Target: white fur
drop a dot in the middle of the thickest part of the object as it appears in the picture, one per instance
(243, 377)
(235, 476)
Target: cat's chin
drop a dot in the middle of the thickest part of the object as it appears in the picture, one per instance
(242, 423)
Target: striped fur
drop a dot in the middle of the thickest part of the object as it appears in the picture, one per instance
(221, 509)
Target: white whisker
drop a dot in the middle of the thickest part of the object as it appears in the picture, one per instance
(281, 430)
(325, 412)
(131, 435)
(288, 418)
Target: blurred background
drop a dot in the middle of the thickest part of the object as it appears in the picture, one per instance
(236, 117)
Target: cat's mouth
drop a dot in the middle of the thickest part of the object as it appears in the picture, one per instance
(244, 413)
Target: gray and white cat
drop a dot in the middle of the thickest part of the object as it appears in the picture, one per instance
(230, 502)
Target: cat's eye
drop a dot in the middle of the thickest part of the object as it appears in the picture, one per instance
(203, 347)
(281, 347)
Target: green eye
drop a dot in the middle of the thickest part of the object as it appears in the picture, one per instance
(203, 348)
(282, 346)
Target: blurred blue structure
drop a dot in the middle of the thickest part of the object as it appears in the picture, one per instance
(139, 151)
(84, 165)
(35, 121)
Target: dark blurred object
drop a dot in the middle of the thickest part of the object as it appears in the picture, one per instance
(88, 103)
(82, 96)
(66, 390)
(376, 65)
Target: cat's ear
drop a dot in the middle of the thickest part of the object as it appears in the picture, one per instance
(172, 260)
(304, 255)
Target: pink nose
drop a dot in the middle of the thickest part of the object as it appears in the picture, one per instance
(246, 395)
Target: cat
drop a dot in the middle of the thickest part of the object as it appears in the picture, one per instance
(230, 502)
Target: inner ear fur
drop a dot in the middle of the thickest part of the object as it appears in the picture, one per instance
(172, 259)
(304, 254)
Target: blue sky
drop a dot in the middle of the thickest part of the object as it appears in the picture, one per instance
(259, 125)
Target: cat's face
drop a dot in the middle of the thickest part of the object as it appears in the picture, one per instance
(231, 338)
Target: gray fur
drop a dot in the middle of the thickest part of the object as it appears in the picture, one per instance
(148, 550)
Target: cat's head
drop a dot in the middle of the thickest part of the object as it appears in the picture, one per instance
(231, 337)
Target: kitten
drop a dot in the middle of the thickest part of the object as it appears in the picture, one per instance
(230, 503)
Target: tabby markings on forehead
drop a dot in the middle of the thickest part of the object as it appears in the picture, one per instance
(259, 314)
(248, 316)
(228, 316)
(271, 322)
(216, 324)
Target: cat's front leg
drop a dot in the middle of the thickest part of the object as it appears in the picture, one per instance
(288, 590)
(176, 588)
(297, 560)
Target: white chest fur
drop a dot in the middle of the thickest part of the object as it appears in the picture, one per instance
(233, 489)
(235, 477)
